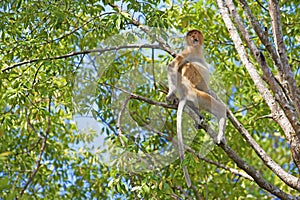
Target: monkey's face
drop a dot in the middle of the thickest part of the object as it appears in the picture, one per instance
(194, 38)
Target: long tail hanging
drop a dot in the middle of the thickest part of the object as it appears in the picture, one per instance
(180, 140)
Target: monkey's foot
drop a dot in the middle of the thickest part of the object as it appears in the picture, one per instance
(197, 126)
(172, 98)
(220, 139)
(198, 123)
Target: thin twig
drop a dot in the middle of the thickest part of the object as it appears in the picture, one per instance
(119, 121)
(262, 6)
(185, 194)
(35, 76)
(196, 192)
(77, 28)
(38, 162)
(234, 171)
(247, 108)
(269, 116)
(165, 46)
(132, 46)
(153, 71)
(133, 185)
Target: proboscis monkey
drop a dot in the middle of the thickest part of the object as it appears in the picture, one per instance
(188, 79)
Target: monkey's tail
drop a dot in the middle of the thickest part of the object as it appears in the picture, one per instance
(181, 105)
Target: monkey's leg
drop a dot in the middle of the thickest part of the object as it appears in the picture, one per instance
(221, 136)
(194, 113)
(210, 104)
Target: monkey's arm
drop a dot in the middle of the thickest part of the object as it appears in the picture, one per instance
(172, 84)
(173, 77)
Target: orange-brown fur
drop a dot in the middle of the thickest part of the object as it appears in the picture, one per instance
(198, 80)
(189, 76)
(192, 68)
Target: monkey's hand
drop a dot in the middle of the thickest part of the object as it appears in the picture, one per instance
(220, 139)
(171, 98)
(171, 65)
(176, 62)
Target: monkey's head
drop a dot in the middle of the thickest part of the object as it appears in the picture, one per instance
(194, 38)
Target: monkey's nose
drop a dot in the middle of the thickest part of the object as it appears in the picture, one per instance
(195, 40)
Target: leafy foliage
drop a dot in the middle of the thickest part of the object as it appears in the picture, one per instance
(63, 62)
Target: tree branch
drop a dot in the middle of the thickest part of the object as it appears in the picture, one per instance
(197, 195)
(38, 162)
(287, 178)
(77, 28)
(231, 153)
(279, 97)
(246, 167)
(131, 46)
(284, 70)
(263, 91)
(240, 162)
(263, 37)
(278, 114)
(119, 121)
(281, 50)
(138, 97)
(268, 76)
(165, 46)
(147, 100)
(234, 171)
(185, 194)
